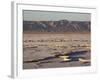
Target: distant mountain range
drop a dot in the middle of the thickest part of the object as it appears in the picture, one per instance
(57, 26)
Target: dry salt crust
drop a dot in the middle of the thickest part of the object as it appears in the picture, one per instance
(44, 49)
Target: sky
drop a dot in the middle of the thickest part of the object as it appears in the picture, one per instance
(29, 15)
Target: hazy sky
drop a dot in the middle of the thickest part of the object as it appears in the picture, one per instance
(54, 16)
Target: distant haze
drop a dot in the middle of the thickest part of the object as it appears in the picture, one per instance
(54, 16)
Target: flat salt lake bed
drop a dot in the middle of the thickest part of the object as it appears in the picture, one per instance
(45, 50)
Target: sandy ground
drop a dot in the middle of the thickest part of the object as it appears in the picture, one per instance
(38, 47)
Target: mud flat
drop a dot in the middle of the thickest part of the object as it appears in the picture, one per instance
(46, 50)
